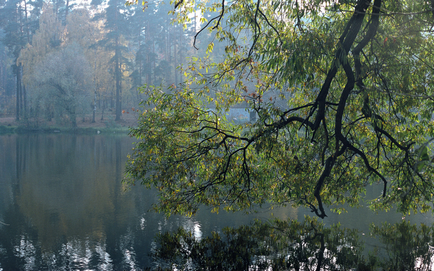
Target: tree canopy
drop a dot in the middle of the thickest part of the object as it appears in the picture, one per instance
(343, 93)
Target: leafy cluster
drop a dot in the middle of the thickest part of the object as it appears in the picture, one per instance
(343, 93)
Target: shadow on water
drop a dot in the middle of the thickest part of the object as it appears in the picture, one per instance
(63, 207)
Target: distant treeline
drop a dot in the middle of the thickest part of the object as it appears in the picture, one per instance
(61, 60)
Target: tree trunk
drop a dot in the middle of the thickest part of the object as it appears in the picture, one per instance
(102, 110)
(94, 107)
(153, 62)
(140, 59)
(180, 52)
(24, 108)
(112, 103)
(27, 23)
(175, 58)
(18, 94)
(66, 10)
(118, 81)
(94, 93)
(73, 119)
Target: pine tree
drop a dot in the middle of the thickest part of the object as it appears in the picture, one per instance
(117, 27)
(14, 39)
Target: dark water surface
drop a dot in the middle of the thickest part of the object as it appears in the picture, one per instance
(63, 207)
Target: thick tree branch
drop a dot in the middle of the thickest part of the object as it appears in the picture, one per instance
(345, 42)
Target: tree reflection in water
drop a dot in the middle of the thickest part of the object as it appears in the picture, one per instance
(406, 246)
(64, 208)
(294, 245)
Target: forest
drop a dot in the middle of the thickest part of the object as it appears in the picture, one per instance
(69, 61)
(340, 97)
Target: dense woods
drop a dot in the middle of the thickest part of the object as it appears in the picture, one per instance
(76, 61)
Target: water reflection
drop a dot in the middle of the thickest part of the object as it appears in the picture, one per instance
(63, 207)
(294, 245)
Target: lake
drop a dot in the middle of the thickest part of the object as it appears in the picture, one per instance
(64, 207)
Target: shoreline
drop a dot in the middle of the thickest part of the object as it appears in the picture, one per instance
(4, 130)
(9, 125)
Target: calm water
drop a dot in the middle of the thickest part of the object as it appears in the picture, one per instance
(63, 207)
